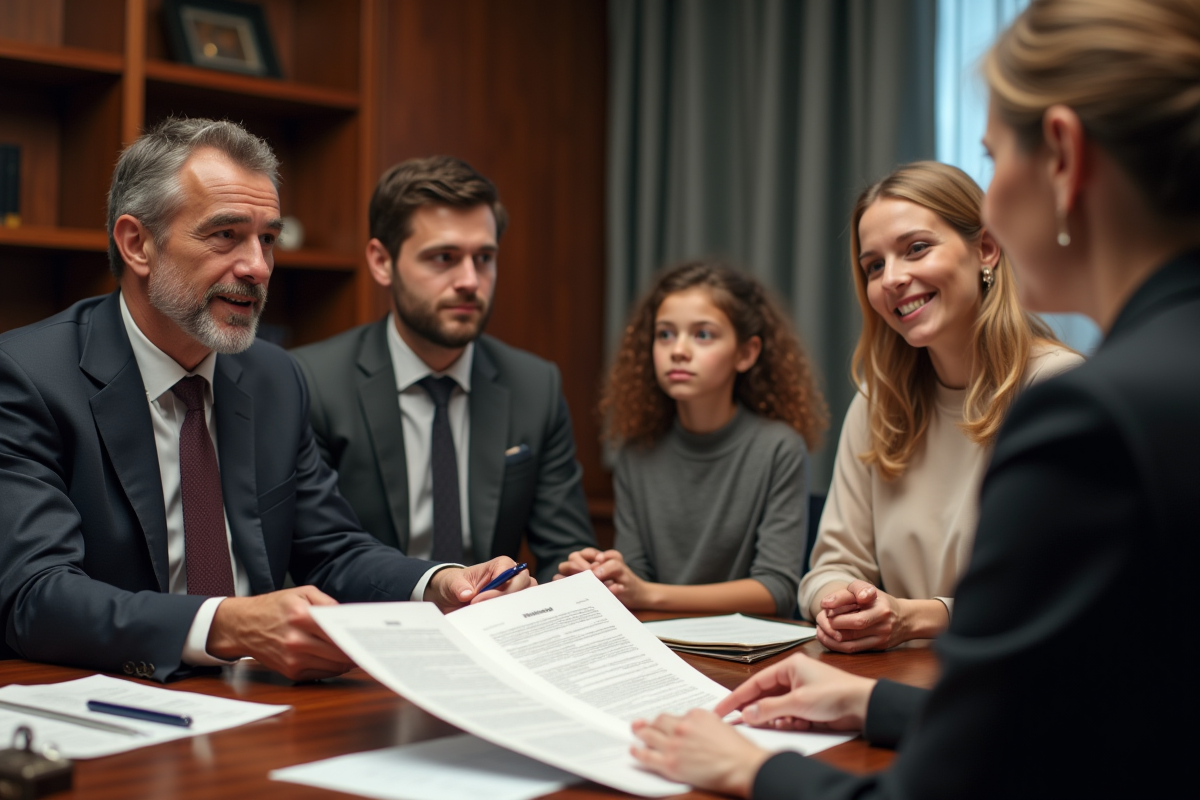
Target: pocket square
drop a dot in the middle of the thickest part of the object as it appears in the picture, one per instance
(517, 453)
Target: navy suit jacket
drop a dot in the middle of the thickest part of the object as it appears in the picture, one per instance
(83, 536)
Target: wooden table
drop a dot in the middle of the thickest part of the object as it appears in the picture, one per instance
(354, 713)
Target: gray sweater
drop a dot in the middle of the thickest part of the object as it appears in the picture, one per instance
(708, 508)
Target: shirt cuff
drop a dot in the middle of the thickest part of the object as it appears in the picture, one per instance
(948, 602)
(195, 647)
(418, 592)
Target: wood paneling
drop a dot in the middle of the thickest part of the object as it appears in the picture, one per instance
(518, 89)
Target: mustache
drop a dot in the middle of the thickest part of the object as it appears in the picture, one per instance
(251, 291)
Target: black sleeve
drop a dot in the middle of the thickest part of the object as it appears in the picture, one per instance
(891, 709)
(1032, 702)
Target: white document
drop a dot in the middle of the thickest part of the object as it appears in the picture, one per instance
(730, 630)
(453, 768)
(75, 741)
(555, 673)
(803, 742)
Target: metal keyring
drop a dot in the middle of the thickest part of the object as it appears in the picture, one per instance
(23, 738)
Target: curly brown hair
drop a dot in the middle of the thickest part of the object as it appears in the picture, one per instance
(779, 386)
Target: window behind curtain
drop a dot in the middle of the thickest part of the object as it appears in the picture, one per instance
(965, 29)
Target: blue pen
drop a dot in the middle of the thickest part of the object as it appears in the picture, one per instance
(180, 720)
(504, 577)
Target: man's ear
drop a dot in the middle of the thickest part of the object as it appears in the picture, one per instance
(380, 263)
(1067, 163)
(135, 244)
(748, 353)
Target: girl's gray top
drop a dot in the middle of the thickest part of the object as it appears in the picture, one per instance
(707, 508)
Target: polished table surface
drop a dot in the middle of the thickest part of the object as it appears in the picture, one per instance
(354, 713)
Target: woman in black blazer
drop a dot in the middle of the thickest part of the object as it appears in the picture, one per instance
(1066, 662)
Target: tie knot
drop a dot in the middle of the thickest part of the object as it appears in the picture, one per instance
(191, 391)
(439, 388)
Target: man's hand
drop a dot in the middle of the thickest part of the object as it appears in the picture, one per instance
(699, 749)
(277, 630)
(455, 587)
(861, 617)
(801, 693)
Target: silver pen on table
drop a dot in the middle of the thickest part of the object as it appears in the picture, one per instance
(62, 716)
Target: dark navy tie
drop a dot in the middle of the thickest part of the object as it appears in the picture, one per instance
(206, 548)
(447, 505)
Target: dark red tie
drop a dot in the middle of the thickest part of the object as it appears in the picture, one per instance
(206, 548)
(447, 508)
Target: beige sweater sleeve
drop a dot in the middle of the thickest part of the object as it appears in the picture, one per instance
(845, 546)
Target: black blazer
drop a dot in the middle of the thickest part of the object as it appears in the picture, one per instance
(516, 399)
(1067, 661)
(83, 537)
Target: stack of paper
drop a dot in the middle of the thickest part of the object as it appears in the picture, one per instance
(733, 637)
(556, 673)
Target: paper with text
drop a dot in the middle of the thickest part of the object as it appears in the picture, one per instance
(734, 630)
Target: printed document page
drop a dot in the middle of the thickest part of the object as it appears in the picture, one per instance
(419, 653)
(76, 741)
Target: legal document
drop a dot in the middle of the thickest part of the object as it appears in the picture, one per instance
(452, 768)
(75, 740)
(556, 673)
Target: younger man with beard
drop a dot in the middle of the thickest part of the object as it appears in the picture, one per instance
(448, 443)
(157, 468)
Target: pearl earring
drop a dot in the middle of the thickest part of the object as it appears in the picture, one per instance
(1064, 236)
(988, 277)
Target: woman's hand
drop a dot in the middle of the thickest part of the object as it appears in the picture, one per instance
(862, 617)
(801, 693)
(626, 586)
(699, 749)
(579, 561)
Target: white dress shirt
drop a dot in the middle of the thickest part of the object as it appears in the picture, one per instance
(416, 412)
(160, 372)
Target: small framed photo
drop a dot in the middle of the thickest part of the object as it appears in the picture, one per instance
(221, 34)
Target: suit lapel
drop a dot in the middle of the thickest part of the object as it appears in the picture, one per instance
(233, 409)
(488, 405)
(381, 408)
(122, 417)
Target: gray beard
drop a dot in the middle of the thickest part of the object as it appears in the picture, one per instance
(169, 293)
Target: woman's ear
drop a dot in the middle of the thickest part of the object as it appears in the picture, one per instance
(1067, 165)
(748, 353)
(989, 249)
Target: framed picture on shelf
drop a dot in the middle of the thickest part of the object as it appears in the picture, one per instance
(221, 34)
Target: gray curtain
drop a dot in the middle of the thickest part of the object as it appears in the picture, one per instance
(746, 128)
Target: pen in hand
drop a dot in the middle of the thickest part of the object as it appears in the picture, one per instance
(163, 717)
(504, 577)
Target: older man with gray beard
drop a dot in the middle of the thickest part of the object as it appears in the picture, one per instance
(158, 470)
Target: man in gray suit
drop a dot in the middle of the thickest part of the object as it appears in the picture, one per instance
(448, 443)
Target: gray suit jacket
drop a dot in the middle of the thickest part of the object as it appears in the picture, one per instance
(83, 534)
(516, 399)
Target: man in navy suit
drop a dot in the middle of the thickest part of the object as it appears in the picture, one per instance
(158, 470)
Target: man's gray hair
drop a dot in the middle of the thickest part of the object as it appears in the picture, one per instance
(146, 184)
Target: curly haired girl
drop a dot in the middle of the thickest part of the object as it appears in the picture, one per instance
(713, 405)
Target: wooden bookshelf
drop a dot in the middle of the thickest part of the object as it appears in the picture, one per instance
(82, 78)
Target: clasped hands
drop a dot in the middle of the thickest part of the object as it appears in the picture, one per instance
(799, 693)
(278, 630)
(862, 617)
(610, 567)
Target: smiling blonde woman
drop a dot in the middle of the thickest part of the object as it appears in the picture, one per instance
(944, 351)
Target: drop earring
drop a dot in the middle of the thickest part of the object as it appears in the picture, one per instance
(989, 277)
(1064, 236)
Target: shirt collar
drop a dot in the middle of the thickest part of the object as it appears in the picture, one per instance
(409, 367)
(159, 371)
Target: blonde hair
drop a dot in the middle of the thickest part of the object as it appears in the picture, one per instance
(898, 379)
(1129, 68)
